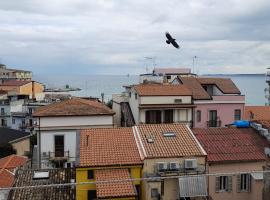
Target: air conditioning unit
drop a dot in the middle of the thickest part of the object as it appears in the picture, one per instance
(190, 164)
(174, 166)
(177, 100)
(162, 166)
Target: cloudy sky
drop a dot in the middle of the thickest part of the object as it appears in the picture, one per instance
(113, 37)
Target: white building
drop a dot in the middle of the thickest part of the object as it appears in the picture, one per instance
(57, 126)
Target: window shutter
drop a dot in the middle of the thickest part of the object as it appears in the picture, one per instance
(229, 183)
(239, 183)
(217, 183)
(249, 182)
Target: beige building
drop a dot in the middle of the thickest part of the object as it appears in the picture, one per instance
(7, 73)
(154, 103)
(170, 151)
(236, 153)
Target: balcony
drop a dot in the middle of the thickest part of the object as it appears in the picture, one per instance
(213, 123)
(4, 114)
(58, 155)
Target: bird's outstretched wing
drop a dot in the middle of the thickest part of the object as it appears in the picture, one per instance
(174, 43)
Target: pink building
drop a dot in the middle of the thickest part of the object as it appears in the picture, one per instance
(217, 101)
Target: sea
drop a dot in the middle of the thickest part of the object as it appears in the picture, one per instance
(251, 85)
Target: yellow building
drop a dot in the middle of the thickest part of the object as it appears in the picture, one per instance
(31, 88)
(108, 157)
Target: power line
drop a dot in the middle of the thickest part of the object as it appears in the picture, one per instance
(156, 178)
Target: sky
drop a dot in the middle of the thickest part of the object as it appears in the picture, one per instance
(117, 36)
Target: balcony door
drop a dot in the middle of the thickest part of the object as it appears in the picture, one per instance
(168, 116)
(153, 117)
(59, 145)
(212, 118)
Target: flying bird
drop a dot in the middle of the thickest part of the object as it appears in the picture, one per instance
(171, 40)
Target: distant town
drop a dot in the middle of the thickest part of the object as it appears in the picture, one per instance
(173, 135)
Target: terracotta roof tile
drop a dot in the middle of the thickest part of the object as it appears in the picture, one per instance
(184, 143)
(195, 85)
(13, 161)
(226, 85)
(231, 144)
(114, 189)
(6, 179)
(108, 146)
(73, 107)
(14, 83)
(257, 113)
(148, 89)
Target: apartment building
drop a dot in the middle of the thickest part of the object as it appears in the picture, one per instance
(239, 151)
(169, 151)
(57, 126)
(108, 154)
(8, 73)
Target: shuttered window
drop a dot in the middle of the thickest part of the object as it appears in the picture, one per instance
(237, 114)
(243, 183)
(223, 184)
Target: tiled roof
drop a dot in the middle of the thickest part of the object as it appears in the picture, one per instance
(56, 176)
(8, 135)
(264, 123)
(231, 144)
(14, 83)
(6, 179)
(148, 89)
(226, 85)
(257, 113)
(184, 143)
(195, 85)
(73, 107)
(13, 161)
(108, 146)
(114, 189)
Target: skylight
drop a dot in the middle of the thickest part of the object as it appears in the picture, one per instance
(41, 175)
(169, 134)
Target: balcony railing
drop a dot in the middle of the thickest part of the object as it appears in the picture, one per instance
(58, 155)
(214, 123)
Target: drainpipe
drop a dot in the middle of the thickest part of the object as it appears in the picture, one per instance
(38, 143)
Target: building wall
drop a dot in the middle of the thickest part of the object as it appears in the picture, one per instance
(134, 106)
(37, 89)
(171, 186)
(76, 121)
(4, 194)
(225, 112)
(164, 99)
(81, 176)
(47, 142)
(256, 187)
(22, 147)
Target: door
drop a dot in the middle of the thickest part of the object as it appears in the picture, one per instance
(59, 145)
(153, 117)
(168, 118)
(212, 118)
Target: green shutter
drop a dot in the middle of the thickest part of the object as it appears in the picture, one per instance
(229, 183)
(217, 183)
(239, 183)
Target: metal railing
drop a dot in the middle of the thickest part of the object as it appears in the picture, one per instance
(58, 155)
(214, 123)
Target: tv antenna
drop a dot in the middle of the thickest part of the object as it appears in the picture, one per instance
(153, 59)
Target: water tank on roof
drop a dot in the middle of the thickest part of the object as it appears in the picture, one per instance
(241, 124)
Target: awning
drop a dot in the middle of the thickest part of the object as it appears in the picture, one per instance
(257, 175)
(193, 186)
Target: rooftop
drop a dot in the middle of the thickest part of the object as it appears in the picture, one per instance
(231, 144)
(114, 189)
(73, 107)
(150, 89)
(195, 84)
(172, 71)
(257, 113)
(14, 83)
(6, 179)
(167, 141)
(56, 176)
(8, 135)
(107, 147)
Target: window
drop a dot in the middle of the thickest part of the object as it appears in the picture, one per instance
(223, 183)
(2, 111)
(237, 114)
(212, 118)
(13, 121)
(154, 192)
(129, 94)
(30, 110)
(199, 115)
(92, 195)
(243, 183)
(168, 116)
(90, 174)
(59, 145)
(153, 117)
(136, 95)
(168, 77)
